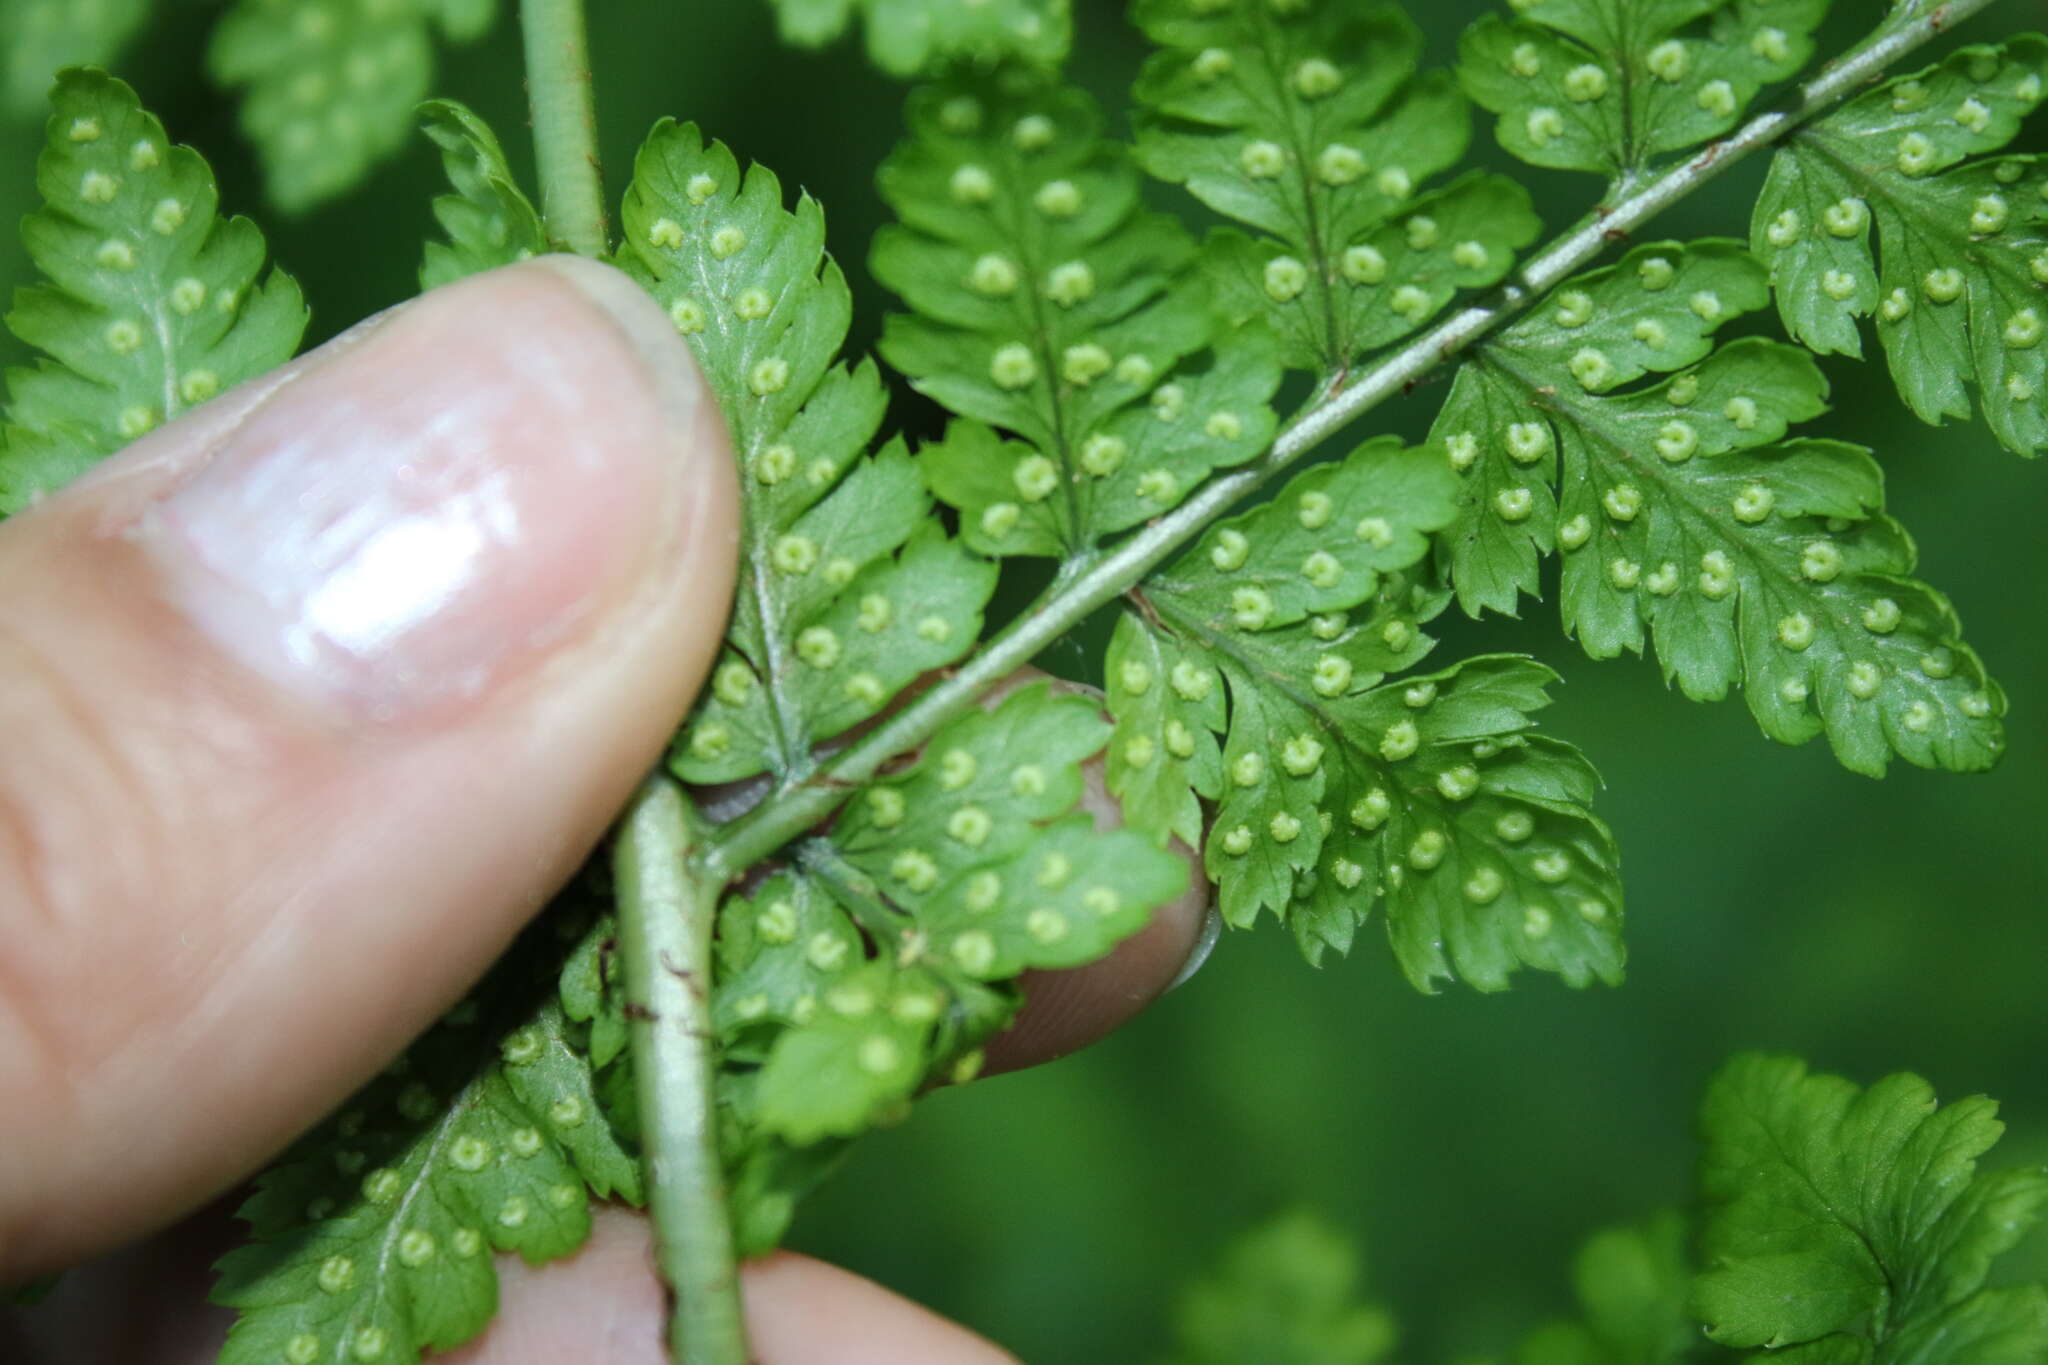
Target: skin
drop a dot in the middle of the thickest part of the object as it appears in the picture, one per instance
(235, 880)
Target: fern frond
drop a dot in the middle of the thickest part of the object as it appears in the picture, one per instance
(374, 1239)
(850, 589)
(1611, 85)
(151, 303)
(1333, 792)
(331, 85)
(852, 979)
(489, 220)
(1687, 521)
(39, 38)
(906, 37)
(1048, 304)
(1880, 208)
(1306, 123)
(1853, 1224)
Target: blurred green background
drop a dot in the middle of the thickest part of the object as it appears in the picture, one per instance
(1776, 901)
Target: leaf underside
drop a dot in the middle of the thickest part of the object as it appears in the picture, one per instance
(879, 959)
(1334, 790)
(150, 303)
(1607, 427)
(373, 1238)
(1048, 304)
(1891, 208)
(1611, 86)
(488, 221)
(1309, 126)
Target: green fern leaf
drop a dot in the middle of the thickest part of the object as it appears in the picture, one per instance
(987, 855)
(1335, 792)
(1687, 520)
(152, 304)
(1835, 1212)
(1047, 304)
(906, 37)
(969, 867)
(1956, 267)
(489, 220)
(779, 954)
(766, 1177)
(332, 84)
(375, 1237)
(1611, 85)
(1287, 1293)
(1303, 123)
(850, 589)
(818, 1039)
(38, 38)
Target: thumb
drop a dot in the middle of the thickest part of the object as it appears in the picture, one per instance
(309, 701)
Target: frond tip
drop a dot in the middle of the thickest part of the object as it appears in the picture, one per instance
(1889, 208)
(1688, 520)
(850, 587)
(150, 302)
(1333, 790)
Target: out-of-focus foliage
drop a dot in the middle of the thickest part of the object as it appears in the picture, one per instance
(40, 37)
(905, 37)
(1285, 1294)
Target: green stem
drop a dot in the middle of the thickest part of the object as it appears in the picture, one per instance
(564, 125)
(665, 918)
(1092, 580)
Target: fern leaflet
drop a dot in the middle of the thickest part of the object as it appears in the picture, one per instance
(489, 220)
(1611, 85)
(1305, 123)
(152, 304)
(1958, 273)
(374, 1239)
(1046, 303)
(855, 976)
(1851, 1226)
(1686, 519)
(850, 588)
(1332, 791)
(1631, 1283)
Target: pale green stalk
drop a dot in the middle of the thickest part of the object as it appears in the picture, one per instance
(1090, 582)
(564, 125)
(666, 906)
(665, 911)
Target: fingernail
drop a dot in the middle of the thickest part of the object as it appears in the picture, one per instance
(434, 508)
(1205, 944)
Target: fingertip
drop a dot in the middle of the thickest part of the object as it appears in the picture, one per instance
(327, 693)
(606, 1304)
(804, 1312)
(1065, 1011)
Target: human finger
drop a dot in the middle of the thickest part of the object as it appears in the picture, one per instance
(312, 698)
